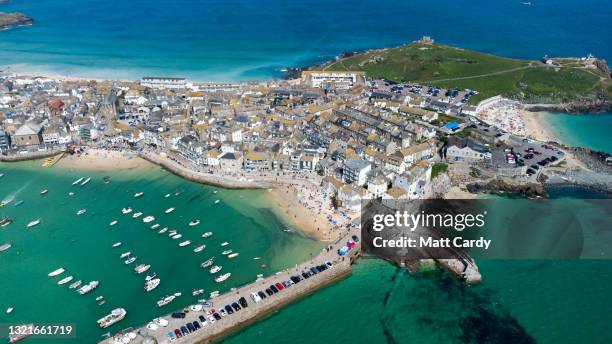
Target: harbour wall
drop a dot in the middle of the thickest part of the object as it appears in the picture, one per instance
(29, 156)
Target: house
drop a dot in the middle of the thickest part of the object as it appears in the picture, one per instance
(28, 134)
(419, 152)
(256, 161)
(5, 140)
(356, 170)
(393, 197)
(377, 186)
(230, 161)
(210, 157)
(350, 196)
(467, 150)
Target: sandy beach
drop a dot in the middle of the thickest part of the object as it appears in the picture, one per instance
(101, 160)
(536, 126)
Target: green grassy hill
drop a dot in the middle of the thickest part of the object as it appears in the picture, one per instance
(435, 64)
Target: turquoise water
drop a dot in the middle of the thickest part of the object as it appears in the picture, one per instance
(82, 244)
(245, 39)
(587, 130)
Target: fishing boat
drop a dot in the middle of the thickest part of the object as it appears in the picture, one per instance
(177, 236)
(9, 310)
(86, 181)
(225, 243)
(5, 221)
(125, 254)
(151, 276)
(163, 230)
(44, 192)
(138, 194)
(194, 223)
(165, 300)
(101, 302)
(56, 272)
(137, 215)
(130, 260)
(99, 298)
(223, 277)
(151, 284)
(19, 203)
(233, 255)
(15, 337)
(77, 181)
(148, 219)
(214, 294)
(197, 292)
(33, 223)
(5, 247)
(81, 211)
(142, 268)
(217, 201)
(185, 243)
(65, 280)
(117, 244)
(169, 210)
(207, 235)
(215, 269)
(115, 316)
(126, 210)
(106, 179)
(114, 222)
(207, 263)
(256, 258)
(226, 252)
(71, 193)
(88, 287)
(172, 233)
(155, 226)
(199, 248)
(75, 284)
(5, 202)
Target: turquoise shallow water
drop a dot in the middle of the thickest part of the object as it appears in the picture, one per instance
(82, 244)
(587, 130)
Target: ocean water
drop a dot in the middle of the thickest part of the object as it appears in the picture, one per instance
(82, 244)
(585, 130)
(245, 39)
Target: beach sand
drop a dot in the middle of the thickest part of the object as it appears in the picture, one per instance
(456, 192)
(536, 126)
(101, 160)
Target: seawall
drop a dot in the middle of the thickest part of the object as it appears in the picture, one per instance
(29, 156)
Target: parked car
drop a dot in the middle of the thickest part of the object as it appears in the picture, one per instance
(256, 298)
(229, 309)
(261, 294)
(236, 306)
(178, 315)
(243, 302)
(279, 286)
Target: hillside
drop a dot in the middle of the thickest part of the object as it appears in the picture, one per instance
(435, 64)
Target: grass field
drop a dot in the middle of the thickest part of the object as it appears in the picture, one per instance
(529, 81)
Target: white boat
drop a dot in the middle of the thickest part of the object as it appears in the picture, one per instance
(81, 211)
(71, 193)
(215, 269)
(138, 194)
(225, 243)
(142, 268)
(125, 254)
(172, 233)
(126, 210)
(5, 221)
(256, 258)
(117, 244)
(167, 195)
(44, 192)
(233, 255)
(217, 201)
(214, 294)
(136, 215)
(56, 272)
(207, 263)
(178, 294)
(177, 236)
(88, 287)
(197, 292)
(207, 235)
(9, 310)
(185, 243)
(155, 226)
(199, 248)
(165, 300)
(151, 276)
(152, 284)
(223, 277)
(85, 181)
(148, 219)
(77, 181)
(163, 230)
(75, 284)
(5, 247)
(115, 316)
(226, 252)
(169, 210)
(99, 298)
(130, 260)
(215, 191)
(114, 222)
(33, 223)
(65, 280)
(194, 223)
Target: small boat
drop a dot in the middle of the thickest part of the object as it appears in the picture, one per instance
(177, 236)
(233, 255)
(115, 316)
(138, 194)
(44, 192)
(75, 284)
(125, 254)
(114, 222)
(226, 252)
(194, 223)
(165, 300)
(101, 302)
(56, 272)
(199, 248)
(88, 287)
(151, 284)
(169, 210)
(151, 276)
(65, 280)
(77, 181)
(207, 235)
(15, 337)
(185, 243)
(5, 247)
(178, 294)
(172, 233)
(19, 203)
(167, 195)
(9, 310)
(117, 244)
(142, 268)
(214, 294)
(85, 181)
(225, 243)
(81, 211)
(223, 277)
(106, 179)
(5, 202)
(99, 298)
(155, 226)
(71, 193)
(256, 258)
(5, 221)
(137, 215)
(215, 191)
(215, 269)
(207, 263)
(148, 219)
(130, 260)
(163, 230)
(217, 201)
(33, 223)
(197, 292)
(126, 210)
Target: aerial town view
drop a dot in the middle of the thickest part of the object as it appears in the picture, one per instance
(203, 171)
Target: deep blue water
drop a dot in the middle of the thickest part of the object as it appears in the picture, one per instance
(253, 39)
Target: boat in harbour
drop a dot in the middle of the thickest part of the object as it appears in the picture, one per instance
(117, 244)
(151, 276)
(88, 287)
(199, 248)
(233, 255)
(138, 194)
(142, 268)
(137, 215)
(115, 316)
(185, 243)
(77, 181)
(130, 260)
(81, 211)
(125, 254)
(172, 233)
(5, 247)
(5, 202)
(215, 269)
(165, 300)
(19, 203)
(65, 280)
(194, 223)
(177, 236)
(44, 192)
(5, 221)
(56, 272)
(75, 284)
(197, 292)
(148, 219)
(207, 235)
(33, 223)
(207, 263)
(217, 201)
(214, 294)
(226, 252)
(169, 210)
(163, 230)
(155, 226)
(114, 222)
(167, 195)
(86, 181)
(225, 243)
(28, 331)
(223, 277)
(151, 284)
(126, 210)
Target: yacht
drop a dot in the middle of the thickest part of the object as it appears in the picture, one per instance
(197, 292)
(115, 316)
(137, 215)
(169, 210)
(5, 221)
(138, 194)
(125, 254)
(226, 252)
(117, 244)
(56, 272)
(233, 255)
(185, 243)
(207, 235)
(151, 276)
(77, 181)
(5, 247)
(165, 300)
(44, 192)
(207, 263)
(194, 223)
(225, 243)
(88, 287)
(33, 223)
(114, 222)
(215, 269)
(85, 181)
(163, 230)
(65, 280)
(177, 236)
(126, 210)
(130, 260)
(75, 284)
(155, 226)
(148, 219)
(81, 211)
(223, 277)
(199, 248)
(142, 268)
(151, 284)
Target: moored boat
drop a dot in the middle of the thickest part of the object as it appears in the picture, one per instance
(115, 316)
(197, 292)
(88, 287)
(125, 254)
(130, 260)
(233, 255)
(5, 221)
(81, 211)
(28, 331)
(199, 248)
(33, 223)
(44, 192)
(163, 230)
(207, 263)
(167, 195)
(165, 300)
(217, 201)
(137, 215)
(223, 277)
(215, 269)
(225, 243)
(142, 268)
(185, 243)
(126, 210)
(65, 280)
(117, 244)
(86, 181)
(56, 272)
(226, 252)
(77, 181)
(155, 226)
(148, 219)
(75, 284)
(138, 194)
(19, 203)
(169, 210)
(114, 222)
(151, 284)
(151, 276)
(207, 235)
(194, 223)
(5, 247)
(177, 236)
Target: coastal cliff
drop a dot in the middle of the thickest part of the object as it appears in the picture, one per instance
(10, 20)
(592, 106)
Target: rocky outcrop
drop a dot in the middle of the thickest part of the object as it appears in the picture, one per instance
(500, 186)
(9, 20)
(591, 106)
